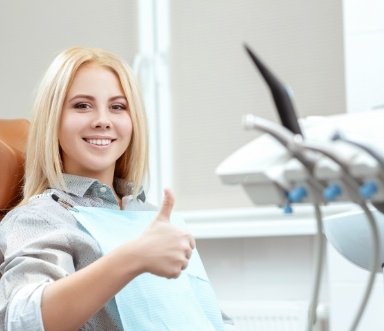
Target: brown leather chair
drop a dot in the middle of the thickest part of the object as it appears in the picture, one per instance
(13, 137)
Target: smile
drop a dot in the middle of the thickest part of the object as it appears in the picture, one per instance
(99, 142)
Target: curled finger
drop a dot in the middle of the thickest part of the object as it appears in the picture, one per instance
(184, 266)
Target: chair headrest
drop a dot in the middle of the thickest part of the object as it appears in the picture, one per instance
(13, 138)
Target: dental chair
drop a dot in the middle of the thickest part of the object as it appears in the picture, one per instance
(13, 137)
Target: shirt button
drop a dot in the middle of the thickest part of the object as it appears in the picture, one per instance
(103, 189)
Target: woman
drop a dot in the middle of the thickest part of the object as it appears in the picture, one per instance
(87, 147)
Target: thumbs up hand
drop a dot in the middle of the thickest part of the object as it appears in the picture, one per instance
(165, 248)
(166, 207)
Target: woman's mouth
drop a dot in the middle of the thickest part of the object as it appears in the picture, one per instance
(99, 141)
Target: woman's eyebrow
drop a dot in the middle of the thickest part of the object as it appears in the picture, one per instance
(82, 96)
(118, 97)
(90, 97)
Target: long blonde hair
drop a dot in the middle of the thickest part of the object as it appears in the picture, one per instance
(43, 167)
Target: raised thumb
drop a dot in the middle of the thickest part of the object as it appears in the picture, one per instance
(166, 207)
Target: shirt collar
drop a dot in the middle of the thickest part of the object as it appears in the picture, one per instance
(79, 186)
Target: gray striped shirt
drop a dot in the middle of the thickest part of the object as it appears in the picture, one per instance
(41, 242)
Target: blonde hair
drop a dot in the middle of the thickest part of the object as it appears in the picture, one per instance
(43, 167)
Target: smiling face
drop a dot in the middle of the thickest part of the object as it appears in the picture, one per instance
(95, 127)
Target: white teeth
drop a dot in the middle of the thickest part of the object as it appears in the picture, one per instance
(99, 142)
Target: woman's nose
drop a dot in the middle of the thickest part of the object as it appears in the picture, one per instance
(102, 120)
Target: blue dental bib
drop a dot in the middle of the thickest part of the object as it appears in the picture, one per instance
(150, 302)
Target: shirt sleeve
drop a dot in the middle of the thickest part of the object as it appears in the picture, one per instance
(24, 311)
(35, 252)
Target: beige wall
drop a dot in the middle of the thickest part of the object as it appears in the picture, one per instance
(33, 32)
(214, 83)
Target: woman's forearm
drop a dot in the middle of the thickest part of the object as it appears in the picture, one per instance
(69, 302)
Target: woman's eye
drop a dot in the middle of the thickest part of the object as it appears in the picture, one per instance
(82, 106)
(118, 106)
